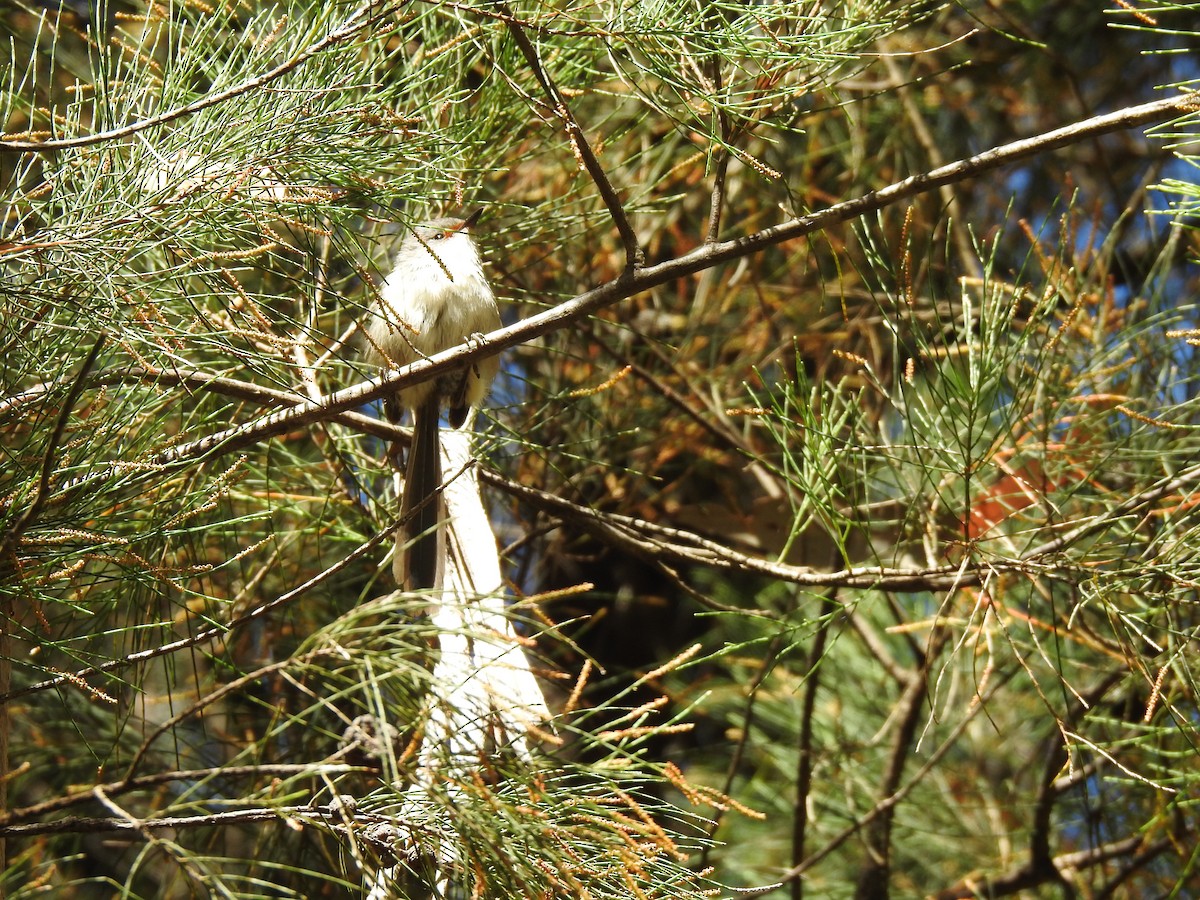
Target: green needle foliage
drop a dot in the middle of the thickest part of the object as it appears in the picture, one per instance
(854, 561)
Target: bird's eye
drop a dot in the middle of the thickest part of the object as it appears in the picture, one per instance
(437, 235)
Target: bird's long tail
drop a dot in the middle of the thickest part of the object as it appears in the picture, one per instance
(422, 504)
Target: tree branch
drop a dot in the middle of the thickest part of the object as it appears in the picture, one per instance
(874, 877)
(579, 141)
(716, 199)
(659, 542)
(806, 753)
(223, 385)
(1025, 878)
(632, 282)
(42, 489)
(1041, 867)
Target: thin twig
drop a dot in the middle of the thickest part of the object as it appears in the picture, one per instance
(715, 426)
(1148, 854)
(42, 490)
(718, 425)
(877, 648)
(1023, 879)
(716, 200)
(804, 760)
(1040, 867)
(967, 258)
(198, 379)
(141, 782)
(348, 29)
(209, 634)
(660, 542)
(745, 731)
(90, 824)
(890, 802)
(172, 850)
(874, 877)
(579, 141)
(330, 447)
(205, 701)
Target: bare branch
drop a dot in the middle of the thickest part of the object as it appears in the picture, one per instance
(632, 282)
(716, 201)
(89, 824)
(806, 754)
(873, 879)
(42, 489)
(579, 141)
(661, 542)
(1027, 877)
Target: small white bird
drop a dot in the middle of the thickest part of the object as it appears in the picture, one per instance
(436, 297)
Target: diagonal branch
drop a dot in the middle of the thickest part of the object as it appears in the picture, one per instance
(200, 380)
(579, 142)
(42, 489)
(632, 282)
(635, 281)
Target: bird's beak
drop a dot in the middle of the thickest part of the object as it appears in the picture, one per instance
(469, 221)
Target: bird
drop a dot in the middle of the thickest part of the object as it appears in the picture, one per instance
(436, 296)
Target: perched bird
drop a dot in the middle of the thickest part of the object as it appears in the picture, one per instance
(434, 298)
